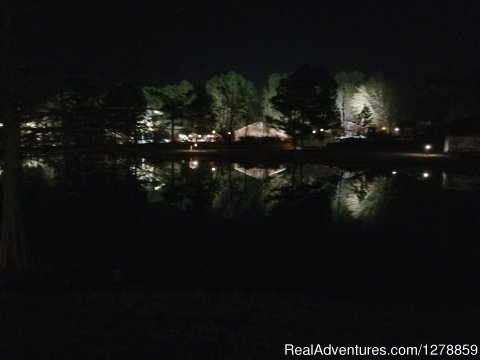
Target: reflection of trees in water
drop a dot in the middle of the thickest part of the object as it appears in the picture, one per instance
(305, 180)
(361, 198)
(242, 191)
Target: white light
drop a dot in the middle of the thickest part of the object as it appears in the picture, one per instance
(394, 172)
(229, 133)
(195, 145)
(322, 130)
(425, 174)
(384, 128)
(1, 124)
(214, 169)
(314, 131)
(397, 129)
(213, 131)
(428, 147)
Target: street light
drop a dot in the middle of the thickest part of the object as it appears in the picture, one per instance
(427, 148)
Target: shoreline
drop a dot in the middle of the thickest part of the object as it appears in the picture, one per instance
(265, 155)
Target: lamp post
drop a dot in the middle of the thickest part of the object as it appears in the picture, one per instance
(427, 148)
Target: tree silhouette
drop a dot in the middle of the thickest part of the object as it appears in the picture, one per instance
(306, 100)
(14, 251)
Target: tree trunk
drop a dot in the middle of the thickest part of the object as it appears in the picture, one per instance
(14, 251)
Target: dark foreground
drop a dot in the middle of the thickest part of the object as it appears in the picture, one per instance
(214, 325)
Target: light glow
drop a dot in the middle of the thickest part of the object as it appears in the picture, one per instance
(425, 175)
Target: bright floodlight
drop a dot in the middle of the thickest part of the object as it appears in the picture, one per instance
(314, 131)
(394, 172)
(322, 130)
(428, 147)
(397, 129)
(213, 169)
(425, 174)
(229, 133)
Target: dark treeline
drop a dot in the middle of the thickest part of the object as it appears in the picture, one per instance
(86, 111)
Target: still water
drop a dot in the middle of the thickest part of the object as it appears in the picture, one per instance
(198, 223)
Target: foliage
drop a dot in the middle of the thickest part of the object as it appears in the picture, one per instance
(235, 100)
(199, 113)
(347, 84)
(125, 105)
(306, 100)
(269, 92)
(176, 99)
(365, 118)
(380, 97)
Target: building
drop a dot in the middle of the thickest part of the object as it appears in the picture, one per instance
(462, 135)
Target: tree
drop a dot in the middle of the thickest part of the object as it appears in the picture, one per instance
(176, 98)
(14, 251)
(199, 113)
(235, 100)
(306, 100)
(347, 84)
(364, 119)
(269, 92)
(380, 97)
(125, 105)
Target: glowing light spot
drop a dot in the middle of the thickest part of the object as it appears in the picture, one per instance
(428, 147)
(384, 128)
(322, 130)
(397, 129)
(314, 131)
(214, 169)
(425, 175)
(394, 172)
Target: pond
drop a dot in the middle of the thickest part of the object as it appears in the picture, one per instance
(109, 222)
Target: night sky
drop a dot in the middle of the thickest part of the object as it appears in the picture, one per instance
(166, 41)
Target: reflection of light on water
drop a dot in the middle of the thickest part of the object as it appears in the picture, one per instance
(360, 197)
(144, 172)
(193, 164)
(462, 182)
(259, 173)
(46, 169)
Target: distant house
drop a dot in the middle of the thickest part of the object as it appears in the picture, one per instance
(260, 129)
(462, 135)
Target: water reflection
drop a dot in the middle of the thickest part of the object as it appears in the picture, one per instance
(259, 173)
(202, 221)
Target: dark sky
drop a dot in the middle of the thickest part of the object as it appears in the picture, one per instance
(166, 41)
